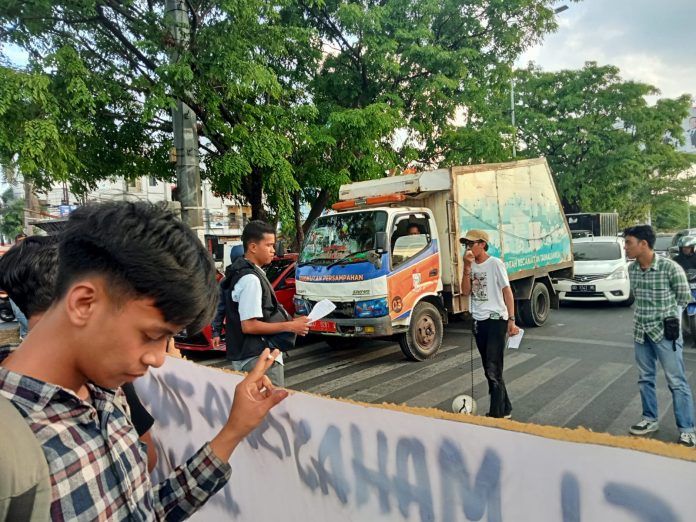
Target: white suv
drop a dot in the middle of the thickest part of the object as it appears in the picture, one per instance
(601, 272)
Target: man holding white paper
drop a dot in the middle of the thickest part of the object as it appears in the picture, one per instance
(255, 318)
(492, 306)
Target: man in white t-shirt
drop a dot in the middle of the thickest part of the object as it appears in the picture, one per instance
(492, 306)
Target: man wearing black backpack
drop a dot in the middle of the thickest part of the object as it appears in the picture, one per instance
(255, 319)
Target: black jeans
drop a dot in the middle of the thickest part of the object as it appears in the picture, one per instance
(491, 337)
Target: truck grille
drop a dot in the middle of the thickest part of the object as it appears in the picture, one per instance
(344, 310)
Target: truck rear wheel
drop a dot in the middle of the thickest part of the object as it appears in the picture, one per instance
(535, 311)
(424, 336)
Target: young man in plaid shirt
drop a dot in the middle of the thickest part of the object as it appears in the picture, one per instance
(130, 276)
(661, 290)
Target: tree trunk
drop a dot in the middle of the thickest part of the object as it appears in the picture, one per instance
(252, 187)
(569, 207)
(316, 210)
(299, 232)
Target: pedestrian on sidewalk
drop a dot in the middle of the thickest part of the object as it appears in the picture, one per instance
(492, 306)
(662, 291)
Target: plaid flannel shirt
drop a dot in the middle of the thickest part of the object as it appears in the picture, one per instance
(96, 462)
(660, 291)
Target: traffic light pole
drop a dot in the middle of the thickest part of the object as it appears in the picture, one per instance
(188, 179)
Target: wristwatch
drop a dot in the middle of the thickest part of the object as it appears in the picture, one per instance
(511, 319)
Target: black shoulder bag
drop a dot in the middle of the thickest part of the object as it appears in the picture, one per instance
(672, 327)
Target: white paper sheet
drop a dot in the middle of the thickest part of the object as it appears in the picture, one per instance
(515, 340)
(321, 309)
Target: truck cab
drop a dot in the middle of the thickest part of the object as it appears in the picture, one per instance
(376, 269)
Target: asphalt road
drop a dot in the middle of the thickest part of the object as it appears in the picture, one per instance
(577, 370)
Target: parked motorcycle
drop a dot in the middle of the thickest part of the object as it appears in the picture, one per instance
(6, 313)
(689, 315)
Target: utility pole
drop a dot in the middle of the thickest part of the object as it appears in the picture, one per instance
(188, 178)
(512, 111)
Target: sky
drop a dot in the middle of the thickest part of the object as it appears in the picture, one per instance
(652, 41)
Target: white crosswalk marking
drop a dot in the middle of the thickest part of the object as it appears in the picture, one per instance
(422, 370)
(564, 407)
(632, 412)
(376, 392)
(527, 383)
(298, 380)
(449, 390)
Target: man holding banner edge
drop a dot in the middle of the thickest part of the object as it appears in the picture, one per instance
(130, 276)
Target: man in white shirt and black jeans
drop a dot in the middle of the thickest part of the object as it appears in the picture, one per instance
(492, 306)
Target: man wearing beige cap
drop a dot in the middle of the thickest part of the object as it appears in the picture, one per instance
(493, 308)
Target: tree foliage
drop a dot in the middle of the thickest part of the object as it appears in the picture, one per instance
(606, 146)
(672, 214)
(11, 215)
(293, 97)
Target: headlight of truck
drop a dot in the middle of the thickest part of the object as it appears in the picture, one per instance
(372, 308)
(301, 306)
(619, 273)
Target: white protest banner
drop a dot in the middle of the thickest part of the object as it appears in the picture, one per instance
(319, 459)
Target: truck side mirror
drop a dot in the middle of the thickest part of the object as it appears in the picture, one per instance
(380, 242)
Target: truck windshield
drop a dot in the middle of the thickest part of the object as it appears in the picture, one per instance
(337, 236)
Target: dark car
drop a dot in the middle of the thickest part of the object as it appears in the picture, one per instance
(662, 244)
(281, 274)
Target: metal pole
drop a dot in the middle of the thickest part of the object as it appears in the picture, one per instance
(205, 206)
(512, 112)
(688, 213)
(188, 179)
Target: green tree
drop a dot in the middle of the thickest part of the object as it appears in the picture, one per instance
(407, 83)
(11, 215)
(293, 97)
(671, 214)
(606, 146)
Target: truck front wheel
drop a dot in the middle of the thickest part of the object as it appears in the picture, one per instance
(535, 311)
(424, 336)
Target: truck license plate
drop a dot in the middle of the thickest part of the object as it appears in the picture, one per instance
(323, 326)
(582, 288)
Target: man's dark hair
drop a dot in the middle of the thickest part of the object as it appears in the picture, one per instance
(28, 273)
(642, 232)
(142, 251)
(254, 232)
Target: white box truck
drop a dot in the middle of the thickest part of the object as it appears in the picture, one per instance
(390, 259)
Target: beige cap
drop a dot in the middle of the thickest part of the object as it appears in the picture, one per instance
(475, 235)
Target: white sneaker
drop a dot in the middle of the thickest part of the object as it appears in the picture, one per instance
(644, 427)
(688, 440)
